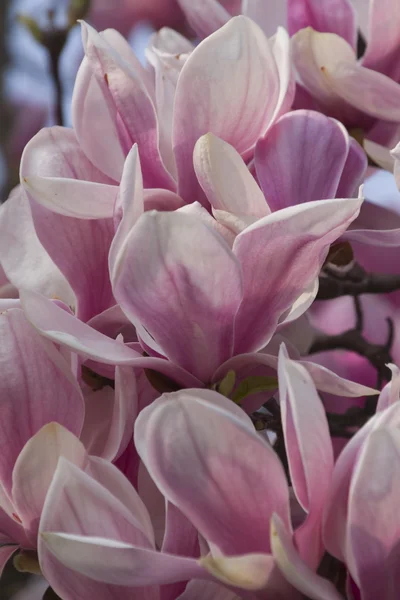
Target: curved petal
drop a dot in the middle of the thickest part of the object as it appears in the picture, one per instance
(180, 281)
(34, 470)
(72, 197)
(290, 246)
(268, 14)
(129, 206)
(78, 247)
(110, 545)
(295, 569)
(373, 522)
(354, 171)
(212, 454)
(205, 16)
(23, 258)
(63, 328)
(204, 101)
(329, 16)
(225, 178)
(38, 388)
(123, 85)
(309, 451)
(89, 108)
(315, 147)
(383, 38)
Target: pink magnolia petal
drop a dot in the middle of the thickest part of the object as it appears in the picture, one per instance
(198, 590)
(175, 262)
(283, 57)
(330, 16)
(268, 14)
(309, 451)
(316, 148)
(109, 546)
(89, 108)
(204, 16)
(5, 554)
(212, 453)
(210, 74)
(123, 85)
(354, 171)
(128, 207)
(295, 569)
(391, 392)
(379, 97)
(293, 241)
(63, 328)
(212, 221)
(336, 510)
(24, 259)
(124, 413)
(225, 178)
(180, 538)
(38, 388)
(373, 523)
(78, 247)
(34, 470)
(72, 197)
(383, 38)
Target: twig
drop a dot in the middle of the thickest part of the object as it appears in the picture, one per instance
(331, 287)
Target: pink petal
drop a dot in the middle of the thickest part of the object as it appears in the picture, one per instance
(34, 470)
(23, 257)
(336, 510)
(78, 247)
(295, 569)
(309, 451)
(123, 85)
(212, 454)
(63, 328)
(180, 281)
(268, 14)
(72, 197)
(373, 523)
(212, 71)
(391, 392)
(283, 57)
(292, 242)
(180, 538)
(128, 207)
(330, 16)
(204, 16)
(198, 590)
(89, 108)
(316, 149)
(38, 388)
(110, 546)
(225, 178)
(383, 38)
(354, 171)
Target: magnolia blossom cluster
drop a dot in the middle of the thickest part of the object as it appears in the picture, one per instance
(198, 400)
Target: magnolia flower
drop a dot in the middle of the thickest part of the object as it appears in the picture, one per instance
(213, 468)
(38, 388)
(360, 517)
(188, 94)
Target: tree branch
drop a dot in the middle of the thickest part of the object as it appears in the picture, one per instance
(331, 287)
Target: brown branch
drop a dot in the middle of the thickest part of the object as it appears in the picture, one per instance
(331, 287)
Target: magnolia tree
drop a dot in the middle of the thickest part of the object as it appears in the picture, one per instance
(199, 315)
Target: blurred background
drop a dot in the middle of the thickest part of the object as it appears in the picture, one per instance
(40, 54)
